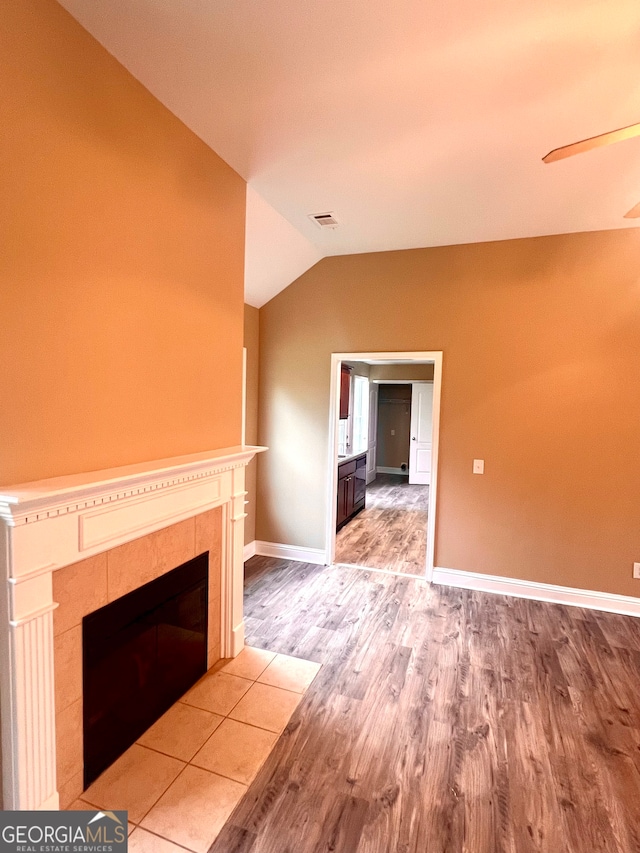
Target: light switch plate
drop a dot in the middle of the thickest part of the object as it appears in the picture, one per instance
(478, 466)
(636, 570)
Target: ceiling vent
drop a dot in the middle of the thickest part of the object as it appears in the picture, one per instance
(324, 220)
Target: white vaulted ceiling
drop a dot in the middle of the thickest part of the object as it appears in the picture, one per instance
(417, 123)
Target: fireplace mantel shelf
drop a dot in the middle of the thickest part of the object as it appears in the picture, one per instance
(49, 524)
(45, 497)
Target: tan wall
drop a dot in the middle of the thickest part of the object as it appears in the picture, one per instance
(121, 271)
(394, 415)
(359, 368)
(541, 352)
(252, 344)
(402, 372)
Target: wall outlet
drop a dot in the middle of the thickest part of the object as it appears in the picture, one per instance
(393, 432)
(478, 466)
(636, 570)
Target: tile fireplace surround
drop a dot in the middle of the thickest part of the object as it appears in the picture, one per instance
(81, 525)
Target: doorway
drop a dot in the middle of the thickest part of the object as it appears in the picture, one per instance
(393, 529)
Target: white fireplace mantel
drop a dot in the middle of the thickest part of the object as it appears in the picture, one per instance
(52, 523)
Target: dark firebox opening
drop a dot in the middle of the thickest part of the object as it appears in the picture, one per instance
(139, 655)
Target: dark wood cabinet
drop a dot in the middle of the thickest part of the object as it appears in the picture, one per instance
(360, 483)
(345, 391)
(346, 491)
(352, 481)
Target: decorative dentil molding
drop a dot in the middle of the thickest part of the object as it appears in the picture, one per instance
(30, 502)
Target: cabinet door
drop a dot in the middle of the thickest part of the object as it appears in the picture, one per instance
(350, 498)
(342, 501)
(345, 391)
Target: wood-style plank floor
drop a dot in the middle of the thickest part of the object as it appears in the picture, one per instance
(391, 532)
(442, 721)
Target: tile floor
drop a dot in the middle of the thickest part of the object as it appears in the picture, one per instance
(185, 775)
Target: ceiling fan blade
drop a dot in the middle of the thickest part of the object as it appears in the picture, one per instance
(634, 213)
(593, 142)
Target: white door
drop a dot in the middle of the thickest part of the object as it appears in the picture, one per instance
(372, 448)
(421, 422)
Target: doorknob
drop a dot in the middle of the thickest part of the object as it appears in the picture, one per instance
(414, 438)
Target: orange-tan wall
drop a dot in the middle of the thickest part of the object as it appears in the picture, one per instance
(121, 268)
(252, 345)
(541, 343)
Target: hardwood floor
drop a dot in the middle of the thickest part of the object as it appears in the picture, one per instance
(391, 533)
(442, 721)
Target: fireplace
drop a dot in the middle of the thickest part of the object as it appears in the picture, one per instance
(140, 654)
(72, 545)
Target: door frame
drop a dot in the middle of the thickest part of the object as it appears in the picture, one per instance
(373, 414)
(434, 356)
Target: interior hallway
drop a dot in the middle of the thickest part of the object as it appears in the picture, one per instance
(443, 720)
(391, 532)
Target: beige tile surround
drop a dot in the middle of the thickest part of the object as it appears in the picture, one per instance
(185, 775)
(85, 586)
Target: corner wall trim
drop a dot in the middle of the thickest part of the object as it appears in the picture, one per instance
(382, 469)
(249, 551)
(237, 644)
(625, 605)
(291, 552)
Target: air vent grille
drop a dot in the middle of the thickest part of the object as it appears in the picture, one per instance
(324, 220)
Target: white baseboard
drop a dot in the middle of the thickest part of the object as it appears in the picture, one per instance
(382, 470)
(249, 551)
(610, 602)
(291, 552)
(237, 642)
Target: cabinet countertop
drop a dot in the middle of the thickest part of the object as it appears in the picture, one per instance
(351, 457)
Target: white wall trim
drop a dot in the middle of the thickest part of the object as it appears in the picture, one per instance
(291, 552)
(626, 605)
(249, 551)
(382, 469)
(237, 641)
